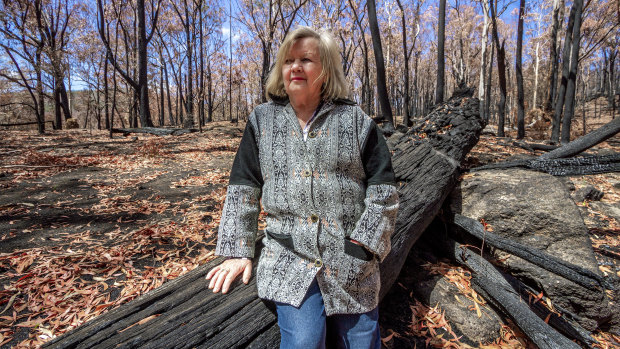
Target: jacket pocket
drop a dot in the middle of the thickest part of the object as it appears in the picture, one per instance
(357, 251)
(283, 239)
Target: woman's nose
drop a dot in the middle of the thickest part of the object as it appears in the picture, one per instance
(296, 65)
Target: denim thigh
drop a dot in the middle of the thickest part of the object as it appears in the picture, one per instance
(306, 326)
(303, 327)
(355, 330)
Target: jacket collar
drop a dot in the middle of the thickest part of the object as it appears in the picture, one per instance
(283, 101)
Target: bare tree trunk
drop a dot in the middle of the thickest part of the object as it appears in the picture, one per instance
(162, 99)
(230, 62)
(487, 104)
(201, 83)
(519, 73)
(210, 92)
(559, 105)
(536, 66)
(611, 96)
(441, 61)
(40, 95)
(145, 110)
(571, 88)
(406, 55)
(483, 60)
(106, 93)
(501, 67)
(553, 42)
(384, 101)
(366, 99)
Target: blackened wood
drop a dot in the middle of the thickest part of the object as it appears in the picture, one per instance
(560, 319)
(534, 146)
(580, 144)
(25, 123)
(495, 286)
(584, 165)
(559, 104)
(184, 313)
(569, 103)
(574, 273)
(426, 162)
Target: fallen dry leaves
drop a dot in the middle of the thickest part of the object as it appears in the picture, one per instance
(49, 290)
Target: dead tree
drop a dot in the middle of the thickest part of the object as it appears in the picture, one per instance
(184, 313)
(384, 100)
(141, 85)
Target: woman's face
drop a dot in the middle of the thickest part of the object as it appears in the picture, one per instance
(302, 68)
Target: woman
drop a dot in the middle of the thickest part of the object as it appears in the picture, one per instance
(322, 171)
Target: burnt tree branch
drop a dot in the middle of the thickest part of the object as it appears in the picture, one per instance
(574, 273)
(495, 287)
(583, 165)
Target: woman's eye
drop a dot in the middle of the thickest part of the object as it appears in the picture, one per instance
(288, 61)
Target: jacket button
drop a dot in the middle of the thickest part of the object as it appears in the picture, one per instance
(318, 263)
(312, 134)
(314, 218)
(306, 173)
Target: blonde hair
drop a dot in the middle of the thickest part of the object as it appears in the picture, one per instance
(334, 86)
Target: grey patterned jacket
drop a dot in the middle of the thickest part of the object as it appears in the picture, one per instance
(318, 194)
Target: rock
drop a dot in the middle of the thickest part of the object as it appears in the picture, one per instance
(607, 209)
(461, 315)
(432, 290)
(489, 130)
(587, 193)
(536, 209)
(568, 183)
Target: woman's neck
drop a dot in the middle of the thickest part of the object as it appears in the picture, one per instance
(304, 108)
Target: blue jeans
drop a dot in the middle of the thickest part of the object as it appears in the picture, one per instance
(306, 327)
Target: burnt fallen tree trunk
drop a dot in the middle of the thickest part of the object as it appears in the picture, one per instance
(155, 131)
(583, 165)
(558, 318)
(184, 313)
(575, 273)
(426, 163)
(492, 285)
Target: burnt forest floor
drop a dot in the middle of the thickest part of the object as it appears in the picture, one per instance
(88, 223)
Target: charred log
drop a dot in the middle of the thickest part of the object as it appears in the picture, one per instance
(574, 273)
(534, 146)
(182, 313)
(426, 162)
(580, 144)
(578, 166)
(583, 165)
(25, 123)
(494, 287)
(560, 319)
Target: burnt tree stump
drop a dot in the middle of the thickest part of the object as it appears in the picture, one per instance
(184, 313)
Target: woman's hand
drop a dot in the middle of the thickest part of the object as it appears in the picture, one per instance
(224, 274)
